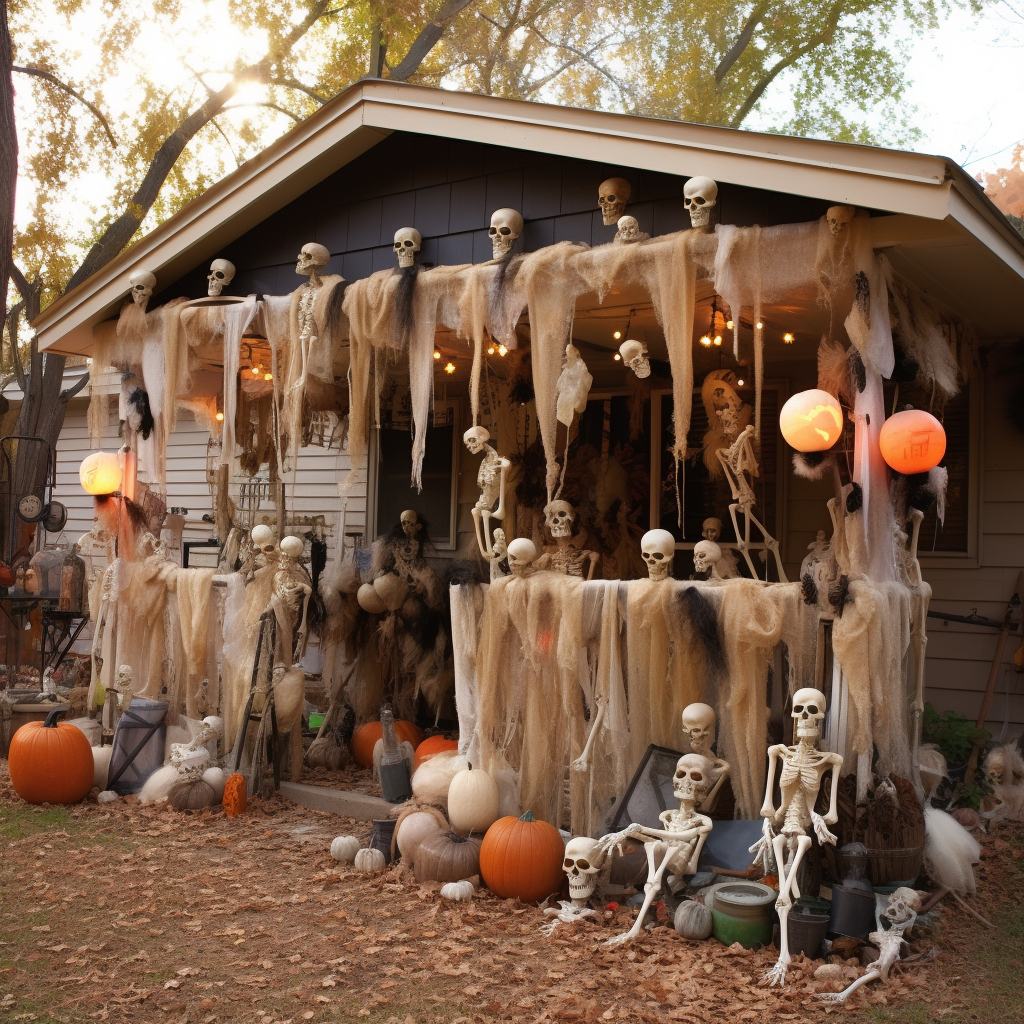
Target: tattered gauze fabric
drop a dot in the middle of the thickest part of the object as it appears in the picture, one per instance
(237, 318)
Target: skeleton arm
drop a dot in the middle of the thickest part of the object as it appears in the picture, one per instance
(582, 763)
(722, 767)
(768, 807)
(503, 467)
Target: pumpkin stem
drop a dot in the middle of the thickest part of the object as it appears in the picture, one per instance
(51, 718)
(456, 838)
(528, 816)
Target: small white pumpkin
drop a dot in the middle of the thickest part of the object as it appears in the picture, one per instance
(458, 891)
(473, 801)
(345, 848)
(693, 920)
(370, 862)
(412, 828)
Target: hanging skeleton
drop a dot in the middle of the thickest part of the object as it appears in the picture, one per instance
(490, 478)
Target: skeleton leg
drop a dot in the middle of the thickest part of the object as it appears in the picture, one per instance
(582, 763)
(836, 998)
(651, 889)
(769, 542)
(479, 532)
(485, 529)
(742, 539)
(787, 888)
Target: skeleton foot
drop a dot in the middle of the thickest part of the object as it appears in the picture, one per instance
(620, 940)
(777, 975)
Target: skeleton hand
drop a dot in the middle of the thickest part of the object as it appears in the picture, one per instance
(616, 840)
(581, 764)
(821, 829)
(764, 853)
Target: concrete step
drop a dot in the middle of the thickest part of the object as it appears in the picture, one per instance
(346, 803)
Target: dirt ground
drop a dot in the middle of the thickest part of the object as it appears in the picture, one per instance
(123, 913)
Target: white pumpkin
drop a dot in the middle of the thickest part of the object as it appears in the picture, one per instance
(473, 801)
(458, 891)
(370, 862)
(345, 848)
(693, 920)
(412, 829)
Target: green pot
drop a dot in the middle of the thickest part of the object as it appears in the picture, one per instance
(741, 912)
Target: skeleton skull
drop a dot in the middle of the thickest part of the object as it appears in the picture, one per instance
(506, 227)
(838, 217)
(582, 865)
(711, 529)
(995, 768)
(706, 556)
(808, 713)
(222, 273)
(521, 553)
(559, 517)
(658, 548)
(407, 243)
(903, 906)
(693, 773)
(629, 230)
(263, 545)
(612, 198)
(634, 355)
(143, 283)
(699, 725)
(291, 547)
(475, 438)
(411, 524)
(312, 258)
(699, 195)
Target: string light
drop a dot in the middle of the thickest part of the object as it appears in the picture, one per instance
(255, 370)
(219, 417)
(718, 339)
(759, 325)
(450, 368)
(502, 351)
(705, 340)
(617, 357)
(268, 376)
(437, 355)
(788, 338)
(729, 325)
(617, 335)
(739, 383)
(491, 351)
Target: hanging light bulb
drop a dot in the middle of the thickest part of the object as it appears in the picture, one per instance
(705, 340)
(739, 383)
(617, 357)
(787, 338)
(718, 339)
(491, 351)
(617, 335)
(255, 371)
(437, 355)
(450, 368)
(219, 417)
(759, 325)
(268, 376)
(729, 325)
(502, 351)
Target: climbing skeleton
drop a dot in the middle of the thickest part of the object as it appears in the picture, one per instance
(490, 478)
(802, 768)
(737, 461)
(699, 726)
(678, 844)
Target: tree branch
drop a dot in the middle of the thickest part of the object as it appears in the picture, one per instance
(68, 393)
(586, 58)
(427, 40)
(741, 43)
(13, 315)
(265, 103)
(119, 233)
(292, 83)
(48, 76)
(820, 38)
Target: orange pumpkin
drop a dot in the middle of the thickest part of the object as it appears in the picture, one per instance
(50, 762)
(521, 857)
(912, 441)
(430, 746)
(365, 738)
(235, 797)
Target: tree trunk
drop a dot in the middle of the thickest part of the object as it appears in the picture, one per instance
(8, 152)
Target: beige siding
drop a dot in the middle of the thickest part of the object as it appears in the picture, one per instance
(960, 656)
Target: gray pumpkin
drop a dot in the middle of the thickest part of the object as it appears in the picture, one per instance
(445, 856)
(693, 920)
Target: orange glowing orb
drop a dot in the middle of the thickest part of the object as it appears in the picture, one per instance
(912, 441)
(811, 421)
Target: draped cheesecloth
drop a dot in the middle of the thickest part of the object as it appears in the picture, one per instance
(467, 602)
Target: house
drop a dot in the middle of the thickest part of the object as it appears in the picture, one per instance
(384, 155)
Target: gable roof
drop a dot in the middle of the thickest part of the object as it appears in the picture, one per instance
(946, 234)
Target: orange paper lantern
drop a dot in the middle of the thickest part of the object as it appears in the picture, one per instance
(912, 441)
(811, 421)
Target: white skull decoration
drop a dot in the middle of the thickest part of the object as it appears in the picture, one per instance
(612, 198)
(311, 258)
(580, 867)
(838, 217)
(408, 242)
(411, 525)
(143, 283)
(634, 355)
(903, 905)
(263, 544)
(706, 556)
(475, 439)
(699, 726)
(808, 713)
(222, 273)
(693, 773)
(711, 529)
(658, 548)
(521, 553)
(559, 517)
(629, 229)
(699, 195)
(291, 548)
(506, 227)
